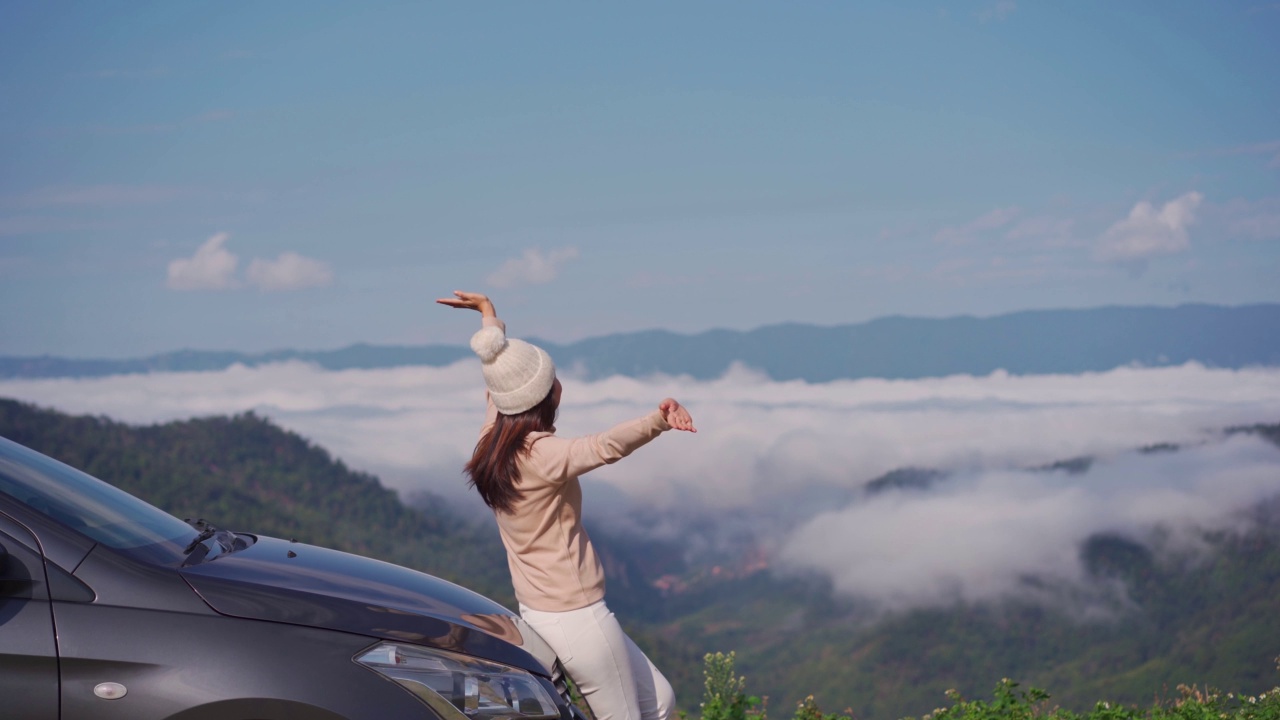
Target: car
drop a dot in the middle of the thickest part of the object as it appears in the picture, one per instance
(111, 608)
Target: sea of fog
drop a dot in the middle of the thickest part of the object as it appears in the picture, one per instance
(783, 464)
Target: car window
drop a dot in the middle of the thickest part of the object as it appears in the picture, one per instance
(21, 571)
(18, 545)
(94, 508)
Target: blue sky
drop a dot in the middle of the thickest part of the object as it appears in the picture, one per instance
(252, 176)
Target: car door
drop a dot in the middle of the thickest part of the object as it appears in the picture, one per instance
(28, 645)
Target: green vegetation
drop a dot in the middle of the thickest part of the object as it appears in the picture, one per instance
(725, 698)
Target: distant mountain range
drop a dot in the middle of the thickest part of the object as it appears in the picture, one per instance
(1031, 342)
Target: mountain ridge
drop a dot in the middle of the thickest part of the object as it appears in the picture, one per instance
(892, 347)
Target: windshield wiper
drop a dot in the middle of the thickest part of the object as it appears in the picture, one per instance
(206, 531)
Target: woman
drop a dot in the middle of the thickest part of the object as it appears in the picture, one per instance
(529, 477)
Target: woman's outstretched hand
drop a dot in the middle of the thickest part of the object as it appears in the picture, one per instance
(470, 301)
(676, 415)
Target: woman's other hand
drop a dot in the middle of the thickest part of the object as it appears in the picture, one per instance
(470, 301)
(676, 415)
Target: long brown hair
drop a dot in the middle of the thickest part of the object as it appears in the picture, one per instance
(493, 467)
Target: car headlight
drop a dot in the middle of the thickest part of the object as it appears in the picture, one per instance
(461, 687)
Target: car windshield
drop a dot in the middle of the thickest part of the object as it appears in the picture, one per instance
(91, 507)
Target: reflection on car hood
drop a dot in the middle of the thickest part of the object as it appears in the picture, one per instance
(281, 581)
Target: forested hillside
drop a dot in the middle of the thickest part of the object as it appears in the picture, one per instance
(1207, 617)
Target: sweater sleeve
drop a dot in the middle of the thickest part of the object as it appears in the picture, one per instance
(559, 459)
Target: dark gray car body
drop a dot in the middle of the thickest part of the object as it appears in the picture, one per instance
(268, 632)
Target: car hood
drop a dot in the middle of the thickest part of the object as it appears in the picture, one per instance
(281, 581)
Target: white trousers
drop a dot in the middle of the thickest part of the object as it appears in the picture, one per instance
(613, 675)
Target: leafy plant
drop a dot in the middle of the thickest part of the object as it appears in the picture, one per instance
(807, 709)
(725, 697)
(1008, 703)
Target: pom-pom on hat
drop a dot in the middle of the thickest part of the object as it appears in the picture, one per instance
(519, 375)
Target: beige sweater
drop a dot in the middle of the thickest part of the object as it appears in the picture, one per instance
(554, 567)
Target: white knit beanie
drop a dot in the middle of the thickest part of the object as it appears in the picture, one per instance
(519, 375)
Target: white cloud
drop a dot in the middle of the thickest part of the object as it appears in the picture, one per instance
(1149, 233)
(289, 271)
(840, 434)
(783, 464)
(961, 234)
(982, 535)
(532, 268)
(211, 268)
